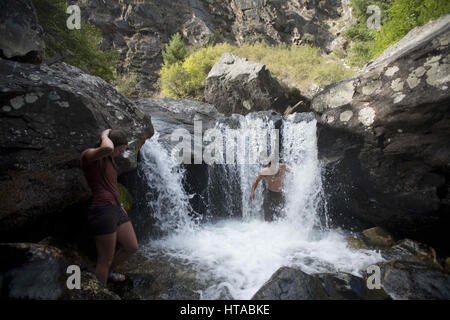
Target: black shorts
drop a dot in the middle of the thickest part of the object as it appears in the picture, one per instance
(273, 204)
(105, 220)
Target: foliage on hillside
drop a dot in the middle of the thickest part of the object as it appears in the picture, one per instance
(76, 47)
(363, 38)
(295, 66)
(398, 17)
(404, 15)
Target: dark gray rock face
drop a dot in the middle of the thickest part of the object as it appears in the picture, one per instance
(409, 280)
(22, 36)
(30, 271)
(293, 284)
(157, 279)
(170, 114)
(49, 115)
(140, 29)
(235, 85)
(384, 137)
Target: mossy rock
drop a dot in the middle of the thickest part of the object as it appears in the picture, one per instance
(125, 197)
(378, 237)
(356, 244)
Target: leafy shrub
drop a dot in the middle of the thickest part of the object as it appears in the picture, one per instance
(363, 38)
(296, 66)
(127, 84)
(76, 47)
(398, 17)
(404, 15)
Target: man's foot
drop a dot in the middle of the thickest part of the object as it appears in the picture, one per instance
(116, 277)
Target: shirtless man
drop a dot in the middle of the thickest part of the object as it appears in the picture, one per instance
(273, 198)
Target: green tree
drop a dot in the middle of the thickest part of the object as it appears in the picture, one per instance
(175, 51)
(76, 47)
(404, 15)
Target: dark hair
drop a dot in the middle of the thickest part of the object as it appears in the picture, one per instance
(118, 137)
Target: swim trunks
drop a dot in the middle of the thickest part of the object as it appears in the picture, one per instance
(105, 220)
(273, 204)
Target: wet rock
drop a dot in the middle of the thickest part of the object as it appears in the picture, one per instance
(383, 137)
(378, 237)
(54, 114)
(356, 243)
(22, 36)
(30, 271)
(414, 280)
(410, 250)
(344, 286)
(156, 279)
(293, 284)
(235, 85)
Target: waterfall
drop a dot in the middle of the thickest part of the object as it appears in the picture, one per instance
(169, 201)
(234, 255)
(305, 204)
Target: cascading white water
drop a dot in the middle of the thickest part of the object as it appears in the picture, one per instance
(235, 257)
(304, 193)
(164, 178)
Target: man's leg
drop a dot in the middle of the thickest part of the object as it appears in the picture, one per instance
(127, 239)
(106, 245)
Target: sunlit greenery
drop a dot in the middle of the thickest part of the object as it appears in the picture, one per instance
(296, 66)
(404, 15)
(398, 17)
(76, 47)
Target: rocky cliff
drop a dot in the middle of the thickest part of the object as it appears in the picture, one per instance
(384, 138)
(139, 30)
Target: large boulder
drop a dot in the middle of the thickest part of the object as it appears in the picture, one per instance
(408, 280)
(378, 237)
(235, 85)
(384, 138)
(170, 114)
(22, 36)
(49, 115)
(293, 284)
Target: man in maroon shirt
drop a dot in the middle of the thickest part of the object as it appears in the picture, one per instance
(107, 220)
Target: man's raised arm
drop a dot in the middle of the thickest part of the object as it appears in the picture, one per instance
(105, 149)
